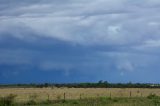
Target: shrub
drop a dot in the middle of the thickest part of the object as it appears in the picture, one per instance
(32, 99)
(47, 102)
(75, 102)
(31, 102)
(152, 96)
(8, 100)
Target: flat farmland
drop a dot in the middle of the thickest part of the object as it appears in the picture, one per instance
(42, 94)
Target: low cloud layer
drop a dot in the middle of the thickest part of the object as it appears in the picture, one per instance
(103, 39)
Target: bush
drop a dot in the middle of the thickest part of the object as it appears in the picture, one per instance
(8, 100)
(75, 102)
(32, 99)
(152, 96)
(47, 102)
(31, 102)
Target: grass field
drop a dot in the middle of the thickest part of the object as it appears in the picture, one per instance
(84, 96)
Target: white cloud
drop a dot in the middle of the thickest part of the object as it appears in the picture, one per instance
(50, 66)
(152, 43)
(126, 66)
(107, 22)
(85, 22)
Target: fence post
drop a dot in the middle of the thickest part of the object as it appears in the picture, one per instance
(130, 94)
(80, 96)
(47, 96)
(110, 95)
(97, 95)
(64, 96)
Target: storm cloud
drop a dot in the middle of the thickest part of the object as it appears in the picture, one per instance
(79, 40)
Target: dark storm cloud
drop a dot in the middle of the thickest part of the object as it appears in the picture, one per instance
(91, 38)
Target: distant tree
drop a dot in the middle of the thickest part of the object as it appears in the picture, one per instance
(100, 82)
(46, 85)
(106, 82)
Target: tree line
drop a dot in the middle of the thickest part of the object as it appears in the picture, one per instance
(100, 84)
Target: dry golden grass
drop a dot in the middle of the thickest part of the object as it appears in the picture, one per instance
(24, 94)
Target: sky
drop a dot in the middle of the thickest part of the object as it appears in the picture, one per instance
(67, 41)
